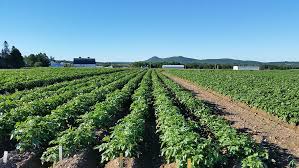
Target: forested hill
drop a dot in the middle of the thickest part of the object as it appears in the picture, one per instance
(186, 60)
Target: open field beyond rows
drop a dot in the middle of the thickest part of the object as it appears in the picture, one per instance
(68, 117)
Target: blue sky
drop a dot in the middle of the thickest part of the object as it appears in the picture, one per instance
(133, 30)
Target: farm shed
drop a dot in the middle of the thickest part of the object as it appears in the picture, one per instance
(56, 64)
(84, 62)
(173, 66)
(246, 68)
(111, 66)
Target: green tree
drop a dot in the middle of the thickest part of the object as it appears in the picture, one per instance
(52, 58)
(30, 60)
(15, 59)
(44, 59)
(5, 51)
(2, 64)
(38, 60)
(3, 55)
(10, 58)
(38, 64)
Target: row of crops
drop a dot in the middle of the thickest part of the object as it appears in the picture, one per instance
(12, 80)
(193, 130)
(109, 113)
(273, 91)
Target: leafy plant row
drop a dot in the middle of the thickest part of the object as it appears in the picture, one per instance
(38, 107)
(42, 107)
(36, 131)
(235, 145)
(92, 124)
(21, 75)
(65, 88)
(127, 135)
(43, 80)
(36, 93)
(39, 92)
(273, 91)
(179, 142)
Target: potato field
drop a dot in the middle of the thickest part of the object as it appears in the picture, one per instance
(276, 92)
(84, 117)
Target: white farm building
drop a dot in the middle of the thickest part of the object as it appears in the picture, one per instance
(173, 66)
(84, 62)
(246, 68)
(56, 64)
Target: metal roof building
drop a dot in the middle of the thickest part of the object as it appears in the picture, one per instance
(56, 64)
(84, 62)
(174, 66)
(246, 68)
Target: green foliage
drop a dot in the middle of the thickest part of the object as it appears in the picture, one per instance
(102, 117)
(234, 144)
(15, 59)
(37, 60)
(18, 110)
(63, 116)
(127, 135)
(253, 161)
(78, 114)
(11, 58)
(27, 79)
(38, 107)
(19, 98)
(23, 98)
(273, 91)
(178, 140)
(72, 140)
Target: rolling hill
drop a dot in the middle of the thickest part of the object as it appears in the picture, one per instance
(186, 60)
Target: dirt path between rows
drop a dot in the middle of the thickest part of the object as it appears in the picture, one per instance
(280, 138)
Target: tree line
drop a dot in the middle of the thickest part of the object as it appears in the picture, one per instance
(188, 65)
(207, 66)
(12, 58)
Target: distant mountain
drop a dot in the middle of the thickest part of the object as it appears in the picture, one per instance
(185, 60)
(286, 63)
(179, 59)
(229, 61)
(155, 59)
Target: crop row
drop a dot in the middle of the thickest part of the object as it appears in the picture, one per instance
(103, 116)
(127, 135)
(109, 112)
(11, 100)
(36, 131)
(23, 75)
(47, 78)
(41, 107)
(179, 141)
(273, 91)
(49, 92)
(232, 143)
(39, 92)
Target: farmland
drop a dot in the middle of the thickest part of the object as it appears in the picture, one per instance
(275, 92)
(139, 116)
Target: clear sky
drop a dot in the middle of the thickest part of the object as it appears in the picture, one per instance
(133, 30)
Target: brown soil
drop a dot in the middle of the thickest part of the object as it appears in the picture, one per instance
(170, 165)
(127, 163)
(25, 160)
(150, 157)
(280, 138)
(85, 159)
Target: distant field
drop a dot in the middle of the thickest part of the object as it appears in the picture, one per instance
(273, 91)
